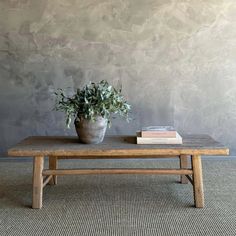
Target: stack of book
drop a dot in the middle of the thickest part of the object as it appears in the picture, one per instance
(158, 135)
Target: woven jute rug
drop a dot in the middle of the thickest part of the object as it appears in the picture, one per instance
(118, 204)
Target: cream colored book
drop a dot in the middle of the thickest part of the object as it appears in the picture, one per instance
(144, 140)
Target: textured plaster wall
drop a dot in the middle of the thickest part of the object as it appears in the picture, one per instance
(176, 60)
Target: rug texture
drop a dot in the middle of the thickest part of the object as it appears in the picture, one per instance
(118, 204)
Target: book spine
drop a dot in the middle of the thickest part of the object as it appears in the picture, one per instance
(145, 141)
(157, 134)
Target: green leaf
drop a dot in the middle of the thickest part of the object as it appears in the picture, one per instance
(95, 99)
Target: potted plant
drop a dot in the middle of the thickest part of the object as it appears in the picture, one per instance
(92, 107)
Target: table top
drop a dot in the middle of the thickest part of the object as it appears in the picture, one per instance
(114, 146)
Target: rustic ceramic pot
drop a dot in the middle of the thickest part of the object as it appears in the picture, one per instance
(91, 131)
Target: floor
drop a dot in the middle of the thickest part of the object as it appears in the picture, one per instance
(118, 204)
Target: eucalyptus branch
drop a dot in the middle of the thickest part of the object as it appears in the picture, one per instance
(95, 99)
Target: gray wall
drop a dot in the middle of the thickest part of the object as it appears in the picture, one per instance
(176, 60)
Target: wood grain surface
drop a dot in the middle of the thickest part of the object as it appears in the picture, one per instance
(115, 146)
(117, 171)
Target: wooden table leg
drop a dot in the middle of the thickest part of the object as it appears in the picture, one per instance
(197, 181)
(53, 166)
(38, 182)
(183, 159)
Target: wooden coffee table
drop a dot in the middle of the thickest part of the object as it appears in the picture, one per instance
(121, 147)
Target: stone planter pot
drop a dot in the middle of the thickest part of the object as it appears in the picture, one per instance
(91, 131)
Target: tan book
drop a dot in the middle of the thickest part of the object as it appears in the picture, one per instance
(158, 131)
(145, 140)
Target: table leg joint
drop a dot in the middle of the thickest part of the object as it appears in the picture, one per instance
(47, 179)
(189, 179)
